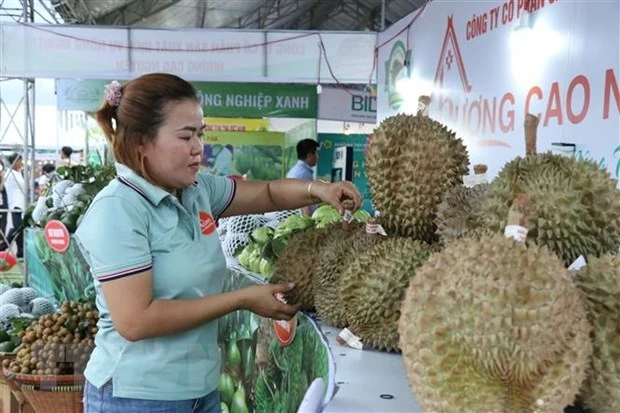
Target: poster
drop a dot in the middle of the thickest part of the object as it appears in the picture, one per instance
(487, 64)
(330, 141)
(261, 374)
(253, 155)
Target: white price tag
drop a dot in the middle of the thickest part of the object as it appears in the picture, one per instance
(517, 232)
(579, 263)
(469, 180)
(347, 338)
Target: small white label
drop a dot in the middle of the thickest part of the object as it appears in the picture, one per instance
(375, 229)
(469, 180)
(577, 264)
(480, 179)
(517, 232)
(347, 338)
(347, 216)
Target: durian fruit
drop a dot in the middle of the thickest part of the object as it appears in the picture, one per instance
(299, 263)
(373, 286)
(599, 281)
(577, 205)
(460, 213)
(337, 256)
(493, 325)
(411, 162)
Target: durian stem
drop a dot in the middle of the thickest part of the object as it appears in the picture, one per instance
(480, 168)
(530, 125)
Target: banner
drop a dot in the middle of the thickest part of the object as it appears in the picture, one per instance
(255, 155)
(250, 100)
(257, 100)
(54, 51)
(347, 105)
(330, 141)
(237, 124)
(266, 369)
(485, 65)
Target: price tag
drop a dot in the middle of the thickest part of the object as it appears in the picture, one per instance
(517, 232)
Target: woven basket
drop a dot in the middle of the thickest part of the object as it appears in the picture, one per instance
(49, 393)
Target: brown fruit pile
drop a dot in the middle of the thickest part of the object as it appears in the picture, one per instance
(59, 343)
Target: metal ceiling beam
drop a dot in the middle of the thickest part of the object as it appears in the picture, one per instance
(73, 11)
(273, 14)
(134, 12)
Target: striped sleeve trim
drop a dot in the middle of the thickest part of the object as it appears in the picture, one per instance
(231, 197)
(125, 273)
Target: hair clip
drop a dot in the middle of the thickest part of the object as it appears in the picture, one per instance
(113, 93)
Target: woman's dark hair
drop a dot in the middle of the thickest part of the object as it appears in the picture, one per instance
(140, 114)
(67, 151)
(12, 158)
(48, 168)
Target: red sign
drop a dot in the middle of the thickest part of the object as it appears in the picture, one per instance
(57, 236)
(285, 330)
(207, 223)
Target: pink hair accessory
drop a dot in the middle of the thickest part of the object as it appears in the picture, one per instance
(113, 93)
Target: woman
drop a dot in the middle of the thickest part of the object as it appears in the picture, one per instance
(150, 240)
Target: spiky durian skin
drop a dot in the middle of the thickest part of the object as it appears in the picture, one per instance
(373, 286)
(411, 162)
(337, 256)
(576, 205)
(299, 264)
(490, 324)
(599, 281)
(460, 213)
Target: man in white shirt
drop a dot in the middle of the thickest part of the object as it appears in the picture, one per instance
(15, 187)
(308, 156)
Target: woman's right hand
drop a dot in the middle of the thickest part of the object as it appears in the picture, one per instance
(262, 300)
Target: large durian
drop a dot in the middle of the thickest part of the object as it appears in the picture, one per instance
(600, 283)
(411, 162)
(492, 325)
(373, 286)
(577, 205)
(337, 256)
(460, 213)
(299, 263)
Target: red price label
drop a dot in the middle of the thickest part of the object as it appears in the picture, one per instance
(57, 236)
(285, 330)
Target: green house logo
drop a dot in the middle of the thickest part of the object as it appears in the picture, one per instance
(397, 67)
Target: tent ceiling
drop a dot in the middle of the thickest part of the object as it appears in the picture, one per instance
(250, 14)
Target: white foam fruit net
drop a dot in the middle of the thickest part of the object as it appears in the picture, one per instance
(234, 232)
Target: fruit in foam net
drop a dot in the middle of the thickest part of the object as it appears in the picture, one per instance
(577, 205)
(372, 288)
(599, 281)
(493, 324)
(299, 264)
(337, 256)
(412, 161)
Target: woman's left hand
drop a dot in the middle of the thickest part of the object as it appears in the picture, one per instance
(334, 194)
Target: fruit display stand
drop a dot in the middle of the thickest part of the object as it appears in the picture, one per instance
(368, 380)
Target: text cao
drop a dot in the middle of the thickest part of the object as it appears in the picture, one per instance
(257, 101)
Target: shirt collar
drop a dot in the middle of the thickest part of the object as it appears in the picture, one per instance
(150, 192)
(304, 165)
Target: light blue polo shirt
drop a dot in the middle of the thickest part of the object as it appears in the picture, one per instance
(132, 226)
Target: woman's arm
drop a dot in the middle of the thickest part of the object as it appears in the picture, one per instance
(255, 197)
(137, 316)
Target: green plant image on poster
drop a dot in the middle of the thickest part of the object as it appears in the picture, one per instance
(258, 373)
(257, 155)
(330, 141)
(58, 276)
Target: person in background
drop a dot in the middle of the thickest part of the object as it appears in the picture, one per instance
(48, 177)
(150, 240)
(65, 155)
(4, 205)
(15, 186)
(307, 157)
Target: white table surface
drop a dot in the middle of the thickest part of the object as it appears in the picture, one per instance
(363, 376)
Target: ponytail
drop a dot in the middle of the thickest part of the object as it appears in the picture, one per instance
(104, 118)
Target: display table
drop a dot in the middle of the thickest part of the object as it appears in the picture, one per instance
(363, 377)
